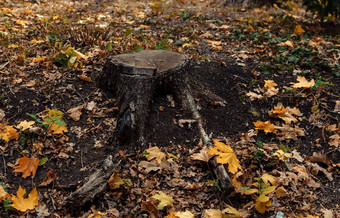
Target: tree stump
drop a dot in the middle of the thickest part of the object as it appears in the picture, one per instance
(135, 79)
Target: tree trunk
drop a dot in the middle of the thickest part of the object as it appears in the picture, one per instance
(136, 78)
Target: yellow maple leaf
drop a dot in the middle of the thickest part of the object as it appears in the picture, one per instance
(23, 204)
(8, 133)
(115, 181)
(155, 153)
(266, 126)
(303, 83)
(261, 203)
(269, 84)
(226, 155)
(27, 166)
(164, 200)
(23, 125)
(298, 30)
(3, 194)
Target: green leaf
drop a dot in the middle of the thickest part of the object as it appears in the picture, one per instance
(3, 186)
(42, 161)
(22, 141)
(60, 123)
(7, 204)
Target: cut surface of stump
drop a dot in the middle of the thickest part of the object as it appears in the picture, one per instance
(136, 78)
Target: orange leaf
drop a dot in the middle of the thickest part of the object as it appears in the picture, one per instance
(27, 166)
(115, 181)
(39, 59)
(55, 129)
(298, 30)
(266, 126)
(85, 78)
(269, 84)
(3, 194)
(279, 110)
(23, 204)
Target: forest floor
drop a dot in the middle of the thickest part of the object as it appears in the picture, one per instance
(277, 67)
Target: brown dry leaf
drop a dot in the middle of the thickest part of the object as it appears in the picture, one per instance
(2, 115)
(202, 156)
(253, 96)
(266, 126)
(320, 158)
(23, 125)
(334, 140)
(50, 178)
(75, 112)
(155, 153)
(303, 176)
(8, 133)
(150, 207)
(285, 114)
(288, 132)
(226, 155)
(296, 155)
(281, 192)
(337, 107)
(164, 200)
(149, 166)
(303, 83)
(271, 92)
(248, 136)
(315, 168)
(3, 194)
(115, 181)
(23, 204)
(85, 78)
(27, 166)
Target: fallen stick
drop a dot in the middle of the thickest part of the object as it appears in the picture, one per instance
(93, 188)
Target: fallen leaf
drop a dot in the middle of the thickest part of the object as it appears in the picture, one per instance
(268, 178)
(316, 168)
(336, 107)
(150, 207)
(21, 22)
(181, 214)
(281, 192)
(202, 156)
(23, 125)
(42, 210)
(226, 155)
(320, 158)
(23, 204)
(75, 112)
(164, 200)
(282, 155)
(115, 181)
(8, 133)
(213, 213)
(334, 140)
(229, 211)
(50, 178)
(253, 96)
(298, 30)
(2, 115)
(85, 78)
(90, 105)
(268, 84)
(296, 155)
(288, 132)
(155, 153)
(56, 130)
(38, 59)
(3, 193)
(261, 203)
(303, 83)
(27, 166)
(266, 126)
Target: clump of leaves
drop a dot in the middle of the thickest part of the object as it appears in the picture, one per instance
(67, 56)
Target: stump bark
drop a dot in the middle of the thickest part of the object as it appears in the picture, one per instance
(135, 79)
